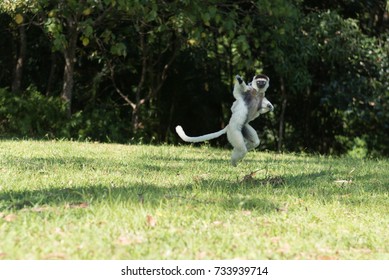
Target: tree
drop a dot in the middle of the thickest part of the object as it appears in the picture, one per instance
(17, 9)
(135, 69)
(160, 31)
(65, 21)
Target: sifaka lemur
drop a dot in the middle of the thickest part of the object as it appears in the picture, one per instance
(249, 104)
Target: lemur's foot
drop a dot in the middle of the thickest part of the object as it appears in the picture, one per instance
(239, 79)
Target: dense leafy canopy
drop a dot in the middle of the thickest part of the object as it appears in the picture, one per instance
(130, 70)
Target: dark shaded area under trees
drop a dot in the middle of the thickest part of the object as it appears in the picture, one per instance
(130, 71)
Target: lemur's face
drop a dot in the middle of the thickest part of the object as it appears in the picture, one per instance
(261, 82)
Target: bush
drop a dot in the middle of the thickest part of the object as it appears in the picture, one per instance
(31, 114)
(103, 123)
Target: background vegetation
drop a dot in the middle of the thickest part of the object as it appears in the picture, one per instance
(120, 71)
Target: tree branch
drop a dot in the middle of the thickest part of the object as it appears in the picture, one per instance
(122, 95)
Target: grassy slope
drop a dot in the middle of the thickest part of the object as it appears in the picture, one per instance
(67, 200)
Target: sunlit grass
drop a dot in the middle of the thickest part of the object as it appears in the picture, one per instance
(69, 200)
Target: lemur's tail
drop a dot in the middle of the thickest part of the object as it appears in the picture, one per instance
(202, 138)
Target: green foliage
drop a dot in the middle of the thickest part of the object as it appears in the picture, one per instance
(332, 74)
(356, 85)
(11, 6)
(31, 115)
(89, 125)
(141, 67)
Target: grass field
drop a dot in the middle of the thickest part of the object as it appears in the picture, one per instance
(69, 200)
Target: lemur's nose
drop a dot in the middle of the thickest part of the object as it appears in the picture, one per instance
(271, 108)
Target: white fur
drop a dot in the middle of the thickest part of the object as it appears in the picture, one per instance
(180, 131)
(238, 122)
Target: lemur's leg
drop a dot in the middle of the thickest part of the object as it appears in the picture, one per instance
(250, 137)
(234, 131)
(236, 139)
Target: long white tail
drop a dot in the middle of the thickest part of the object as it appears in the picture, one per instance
(202, 138)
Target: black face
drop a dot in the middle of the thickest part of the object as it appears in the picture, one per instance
(261, 83)
(261, 80)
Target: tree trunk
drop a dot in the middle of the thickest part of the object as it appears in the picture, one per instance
(70, 59)
(53, 68)
(135, 122)
(18, 72)
(281, 129)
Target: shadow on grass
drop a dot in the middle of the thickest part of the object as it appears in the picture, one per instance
(222, 193)
(41, 163)
(240, 194)
(230, 198)
(248, 194)
(68, 196)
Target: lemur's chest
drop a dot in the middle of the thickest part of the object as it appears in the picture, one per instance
(253, 103)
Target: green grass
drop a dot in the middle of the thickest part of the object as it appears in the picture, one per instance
(69, 200)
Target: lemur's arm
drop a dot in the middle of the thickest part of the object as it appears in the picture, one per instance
(239, 79)
(240, 87)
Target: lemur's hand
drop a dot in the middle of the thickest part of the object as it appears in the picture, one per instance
(239, 79)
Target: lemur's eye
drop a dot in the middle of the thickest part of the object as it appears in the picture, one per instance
(261, 82)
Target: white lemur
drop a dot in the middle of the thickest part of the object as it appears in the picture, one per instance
(250, 103)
